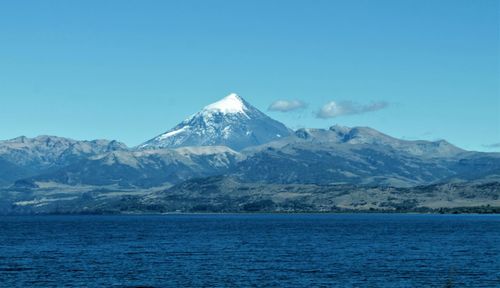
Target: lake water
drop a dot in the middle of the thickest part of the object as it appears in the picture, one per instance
(302, 250)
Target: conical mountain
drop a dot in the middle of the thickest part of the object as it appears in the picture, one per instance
(230, 122)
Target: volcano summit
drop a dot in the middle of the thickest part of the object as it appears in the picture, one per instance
(230, 122)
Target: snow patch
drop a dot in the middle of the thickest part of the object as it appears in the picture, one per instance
(172, 133)
(43, 201)
(226, 132)
(204, 150)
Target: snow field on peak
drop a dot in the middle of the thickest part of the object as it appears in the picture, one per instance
(228, 105)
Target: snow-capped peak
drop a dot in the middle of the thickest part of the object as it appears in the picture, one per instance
(231, 122)
(232, 103)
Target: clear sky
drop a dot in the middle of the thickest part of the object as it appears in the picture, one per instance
(130, 70)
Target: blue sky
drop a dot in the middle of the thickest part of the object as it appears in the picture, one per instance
(129, 70)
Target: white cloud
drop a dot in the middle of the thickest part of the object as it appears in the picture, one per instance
(493, 145)
(287, 105)
(334, 109)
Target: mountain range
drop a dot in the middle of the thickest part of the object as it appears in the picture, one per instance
(232, 157)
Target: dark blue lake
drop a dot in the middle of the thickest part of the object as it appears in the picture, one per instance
(339, 250)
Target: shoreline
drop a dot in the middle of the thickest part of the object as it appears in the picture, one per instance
(441, 211)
